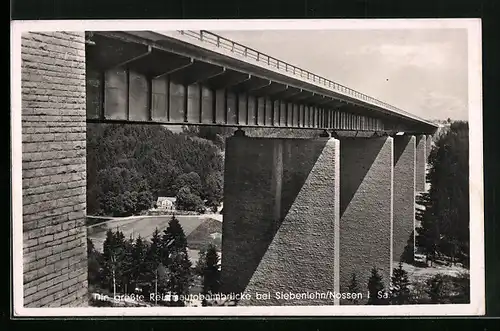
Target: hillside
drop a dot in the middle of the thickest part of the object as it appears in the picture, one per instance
(129, 166)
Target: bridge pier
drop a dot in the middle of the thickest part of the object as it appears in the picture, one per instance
(304, 215)
(281, 220)
(366, 209)
(421, 160)
(404, 194)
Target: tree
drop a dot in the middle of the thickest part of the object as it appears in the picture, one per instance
(186, 200)
(428, 232)
(445, 219)
(153, 264)
(211, 274)
(139, 258)
(375, 288)
(128, 265)
(201, 263)
(179, 274)
(408, 255)
(354, 288)
(144, 201)
(113, 258)
(190, 180)
(175, 257)
(213, 190)
(94, 264)
(400, 291)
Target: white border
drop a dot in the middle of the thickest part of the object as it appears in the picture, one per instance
(473, 26)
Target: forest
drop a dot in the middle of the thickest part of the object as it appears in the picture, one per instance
(129, 166)
(150, 267)
(443, 233)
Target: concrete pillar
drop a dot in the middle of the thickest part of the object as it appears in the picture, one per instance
(54, 169)
(421, 161)
(428, 147)
(366, 197)
(404, 195)
(280, 229)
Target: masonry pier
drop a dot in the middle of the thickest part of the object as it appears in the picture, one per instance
(366, 192)
(281, 227)
(421, 167)
(404, 196)
(305, 215)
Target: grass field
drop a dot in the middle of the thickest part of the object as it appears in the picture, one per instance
(141, 225)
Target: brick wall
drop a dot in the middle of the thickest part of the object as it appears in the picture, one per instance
(54, 169)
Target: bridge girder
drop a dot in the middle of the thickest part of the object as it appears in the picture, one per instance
(157, 58)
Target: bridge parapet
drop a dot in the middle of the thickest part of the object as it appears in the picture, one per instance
(250, 53)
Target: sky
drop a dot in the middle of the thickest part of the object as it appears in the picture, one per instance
(421, 71)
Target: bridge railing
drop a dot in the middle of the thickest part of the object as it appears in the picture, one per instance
(237, 48)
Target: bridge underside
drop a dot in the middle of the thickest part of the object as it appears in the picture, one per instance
(135, 79)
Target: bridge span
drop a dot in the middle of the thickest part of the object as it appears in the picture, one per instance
(299, 214)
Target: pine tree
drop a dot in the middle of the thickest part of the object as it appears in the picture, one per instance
(354, 288)
(408, 255)
(199, 268)
(400, 292)
(94, 264)
(153, 262)
(139, 257)
(114, 256)
(179, 274)
(128, 265)
(375, 288)
(175, 257)
(428, 233)
(211, 275)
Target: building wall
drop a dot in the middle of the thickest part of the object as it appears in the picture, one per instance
(54, 169)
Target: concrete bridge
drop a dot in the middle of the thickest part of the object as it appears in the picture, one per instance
(300, 214)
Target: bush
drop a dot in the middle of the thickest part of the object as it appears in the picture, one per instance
(462, 288)
(440, 288)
